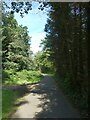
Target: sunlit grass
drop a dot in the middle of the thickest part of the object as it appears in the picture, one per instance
(23, 77)
(11, 78)
(8, 99)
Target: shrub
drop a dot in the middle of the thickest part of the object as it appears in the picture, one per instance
(23, 77)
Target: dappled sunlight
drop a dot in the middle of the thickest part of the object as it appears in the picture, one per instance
(44, 100)
(36, 43)
(29, 107)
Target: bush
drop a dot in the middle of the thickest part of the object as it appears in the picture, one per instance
(11, 65)
(22, 77)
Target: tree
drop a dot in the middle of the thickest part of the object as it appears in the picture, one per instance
(66, 39)
(42, 62)
(15, 45)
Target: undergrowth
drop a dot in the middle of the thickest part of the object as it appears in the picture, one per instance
(21, 77)
(11, 77)
(78, 98)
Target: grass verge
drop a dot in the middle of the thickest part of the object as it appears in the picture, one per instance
(8, 99)
(10, 78)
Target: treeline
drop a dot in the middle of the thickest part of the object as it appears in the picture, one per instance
(16, 51)
(17, 58)
(67, 42)
(42, 62)
(15, 45)
(65, 45)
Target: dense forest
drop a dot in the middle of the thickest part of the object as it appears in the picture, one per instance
(65, 49)
(67, 42)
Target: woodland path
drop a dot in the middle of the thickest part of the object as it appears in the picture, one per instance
(45, 100)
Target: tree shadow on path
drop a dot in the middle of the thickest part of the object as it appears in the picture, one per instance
(53, 103)
(44, 100)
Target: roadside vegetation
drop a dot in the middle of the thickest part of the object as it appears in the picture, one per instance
(8, 97)
(20, 66)
(80, 102)
(22, 77)
(64, 53)
(18, 63)
(66, 42)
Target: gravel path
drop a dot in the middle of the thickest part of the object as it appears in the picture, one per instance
(45, 100)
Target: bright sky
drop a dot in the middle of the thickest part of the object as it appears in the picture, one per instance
(35, 21)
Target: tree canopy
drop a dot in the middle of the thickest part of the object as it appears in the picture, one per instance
(67, 43)
(65, 47)
(15, 44)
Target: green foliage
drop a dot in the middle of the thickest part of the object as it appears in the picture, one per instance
(66, 41)
(42, 62)
(15, 45)
(22, 77)
(79, 100)
(12, 77)
(11, 65)
(8, 99)
(25, 7)
(65, 46)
